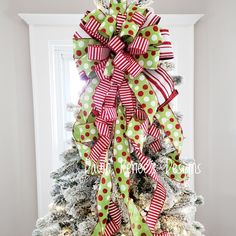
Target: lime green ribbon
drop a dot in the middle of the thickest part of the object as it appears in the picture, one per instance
(122, 168)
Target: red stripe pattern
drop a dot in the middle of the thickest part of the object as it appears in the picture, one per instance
(118, 76)
(161, 82)
(134, 69)
(163, 234)
(156, 206)
(98, 52)
(114, 225)
(120, 19)
(166, 52)
(116, 44)
(116, 88)
(138, 18)
(139, 46)
(121, 61)
(151, 19)
(91, 28)
(127, 99)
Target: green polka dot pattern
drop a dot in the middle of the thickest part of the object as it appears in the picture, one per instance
(86, 101)
(103, 198)
(121, 153)
(152, 33)
(145, 95)
(169, 123)
(129, 29)
(80, 47)
(171, 126)
(103, 201)
(149, 60)
(117, 7)
(133, 9)
(176, 171)
(97, 14)
(85, 132)
(122, 164)
(135, 132)
(108, 27)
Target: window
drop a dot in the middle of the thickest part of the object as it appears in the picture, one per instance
(56, 83)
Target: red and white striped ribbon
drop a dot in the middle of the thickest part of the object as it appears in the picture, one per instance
(138, 18)
(118, 76)
(111, 96)
(159, 194)
(101, 65)
(146, 162)
(108, 113)
(166, 51)
(162, 84)
(99, 70)
(100, 94)
(100, 146)
(134, 69)
(156, 146)
(144, 126)
(114, 225)
(127, 99)
(151, 19)
(92, 25)
(141, 114)
(155, 132)
(103, 142)
(90, 29)
(121, 61)
(163, 234)
(116, 44)
(139, 46)
(156, 206)
(76, 36)
(98, 52)
(120, 19)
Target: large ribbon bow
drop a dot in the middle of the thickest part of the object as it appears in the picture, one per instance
(122, 104)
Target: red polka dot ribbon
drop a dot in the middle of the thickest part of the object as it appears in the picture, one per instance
(123, 104)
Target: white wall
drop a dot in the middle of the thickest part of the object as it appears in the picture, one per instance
(216, 115)
(215, 118)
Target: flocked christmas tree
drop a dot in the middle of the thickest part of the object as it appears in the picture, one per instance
(123, 174)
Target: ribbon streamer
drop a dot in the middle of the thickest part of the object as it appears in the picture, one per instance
(121, 107)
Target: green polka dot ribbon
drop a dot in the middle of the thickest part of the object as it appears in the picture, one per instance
(169, 123)
(129, 92)
(122, 168)
(84, 130)
(103, 201)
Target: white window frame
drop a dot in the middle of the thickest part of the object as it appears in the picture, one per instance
(50, 35)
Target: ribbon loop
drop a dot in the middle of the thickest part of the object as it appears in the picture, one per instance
(166, 52)
(116, 44)
(98, 52)
(138, 19)
(120, 19)
(108, 27)
(139, 46)
(121, 61)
